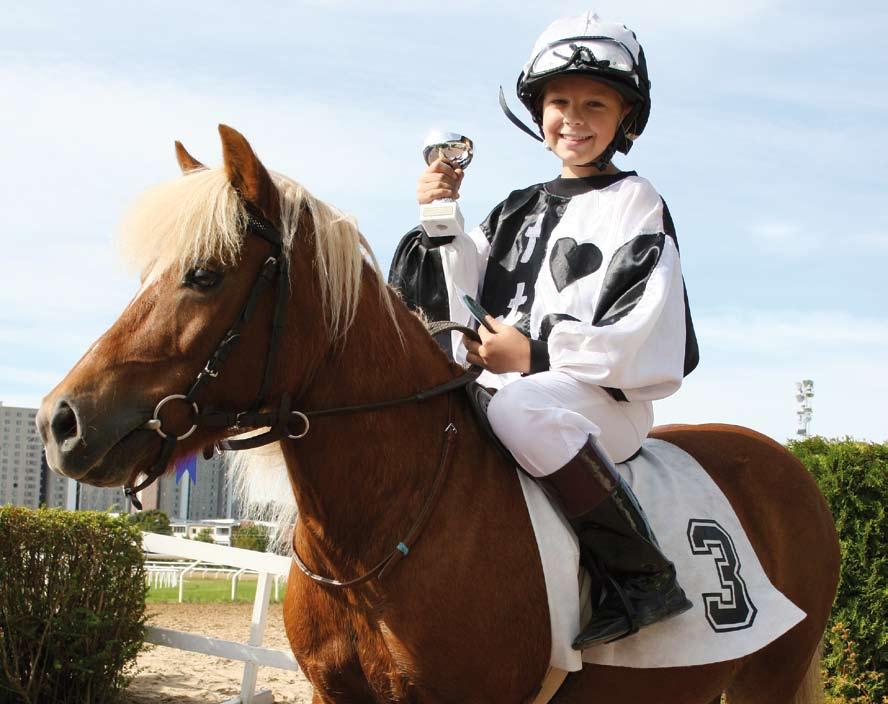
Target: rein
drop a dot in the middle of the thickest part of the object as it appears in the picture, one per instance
(402, 549)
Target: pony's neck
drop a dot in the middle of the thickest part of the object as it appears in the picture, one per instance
(356, 475)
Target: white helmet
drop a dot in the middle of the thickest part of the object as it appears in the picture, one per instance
(585, 45)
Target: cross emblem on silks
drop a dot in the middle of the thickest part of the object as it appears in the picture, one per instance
(518, 300)
(532, 234)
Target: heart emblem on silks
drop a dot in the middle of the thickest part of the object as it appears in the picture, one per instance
(570, 261)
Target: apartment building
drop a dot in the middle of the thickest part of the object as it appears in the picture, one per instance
(208, 497)
(25, 478)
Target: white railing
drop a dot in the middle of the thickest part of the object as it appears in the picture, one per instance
(250, 653)
(171, 573)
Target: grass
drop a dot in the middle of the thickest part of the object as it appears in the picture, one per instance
(200, 590)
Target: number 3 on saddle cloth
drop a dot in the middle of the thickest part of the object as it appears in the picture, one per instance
(736, 611)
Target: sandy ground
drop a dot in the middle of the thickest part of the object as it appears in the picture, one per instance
(170, 675)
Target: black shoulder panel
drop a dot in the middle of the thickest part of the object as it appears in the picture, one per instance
(417, 272)
(692, 350)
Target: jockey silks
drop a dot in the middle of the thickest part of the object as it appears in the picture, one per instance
(588, 268)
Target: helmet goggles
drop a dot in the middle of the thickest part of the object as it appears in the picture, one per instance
(595, 54)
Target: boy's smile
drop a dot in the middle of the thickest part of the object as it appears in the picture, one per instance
(580, 119)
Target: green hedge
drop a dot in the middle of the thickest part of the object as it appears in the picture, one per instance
(853, 477)
(250, 536)
(72, 605)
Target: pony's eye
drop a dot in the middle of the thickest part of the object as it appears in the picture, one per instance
(202, 279)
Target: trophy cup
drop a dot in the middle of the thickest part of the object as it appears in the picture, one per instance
(442, 218)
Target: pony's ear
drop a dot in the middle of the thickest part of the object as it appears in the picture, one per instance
(247, 174)
(186, 161)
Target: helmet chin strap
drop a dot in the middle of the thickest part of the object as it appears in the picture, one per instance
(604, 159)
(514, 119)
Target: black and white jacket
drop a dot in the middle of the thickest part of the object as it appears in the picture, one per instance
(588, 268)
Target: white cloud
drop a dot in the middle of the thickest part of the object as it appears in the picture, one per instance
(798, 241)
(27, 378)
(793, 333)
(229, 18)
(849, 399)
(784, 238)
(751, 360)
(869, 242)
(119, 131)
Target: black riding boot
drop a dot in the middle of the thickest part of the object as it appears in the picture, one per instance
(615, 535)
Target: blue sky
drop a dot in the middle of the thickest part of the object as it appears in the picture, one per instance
(768, 139)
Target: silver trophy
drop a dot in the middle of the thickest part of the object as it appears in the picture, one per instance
(442, 218)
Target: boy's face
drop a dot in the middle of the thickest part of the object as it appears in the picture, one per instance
(580, 119)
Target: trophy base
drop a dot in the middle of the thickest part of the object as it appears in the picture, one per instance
(441, 219)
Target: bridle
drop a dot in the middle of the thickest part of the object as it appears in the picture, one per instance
(275, 269)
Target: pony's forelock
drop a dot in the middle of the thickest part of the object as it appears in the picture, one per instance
(200, 218)
(195, 219)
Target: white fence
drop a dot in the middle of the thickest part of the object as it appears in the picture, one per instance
(267, 566)
(160, 574)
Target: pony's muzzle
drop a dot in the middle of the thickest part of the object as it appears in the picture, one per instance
(62, 435)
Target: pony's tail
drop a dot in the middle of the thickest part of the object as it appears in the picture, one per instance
(810, 690)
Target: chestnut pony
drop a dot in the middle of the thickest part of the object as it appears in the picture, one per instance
(463, 618)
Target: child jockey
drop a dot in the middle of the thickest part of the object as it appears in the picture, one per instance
(582, 280)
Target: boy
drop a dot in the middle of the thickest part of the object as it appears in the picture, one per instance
(582, 280)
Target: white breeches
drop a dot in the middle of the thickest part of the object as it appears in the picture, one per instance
(544, 419)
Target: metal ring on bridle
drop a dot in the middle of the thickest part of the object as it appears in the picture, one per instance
(304, 419)
(156, 424)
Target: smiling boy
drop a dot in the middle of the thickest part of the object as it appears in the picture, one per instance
(580, 118)
(582, 278)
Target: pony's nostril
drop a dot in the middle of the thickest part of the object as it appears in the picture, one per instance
(64, 424)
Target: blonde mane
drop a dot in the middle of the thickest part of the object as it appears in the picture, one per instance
(200, 218)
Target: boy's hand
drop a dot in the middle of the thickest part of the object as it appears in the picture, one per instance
(505, 350)
(439, 180)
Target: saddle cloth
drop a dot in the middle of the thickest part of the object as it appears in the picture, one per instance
(736, 608)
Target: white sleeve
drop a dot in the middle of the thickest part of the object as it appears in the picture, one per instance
(642, 353)
(635, 340)
(464, 261)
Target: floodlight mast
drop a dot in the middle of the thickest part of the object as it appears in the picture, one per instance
(804, 394)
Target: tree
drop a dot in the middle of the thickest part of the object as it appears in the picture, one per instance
(250, 536)
(204, 535)
(152, 521)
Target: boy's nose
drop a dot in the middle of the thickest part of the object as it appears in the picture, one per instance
(570, 115)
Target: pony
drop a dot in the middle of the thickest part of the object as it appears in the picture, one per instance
(456, 612)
